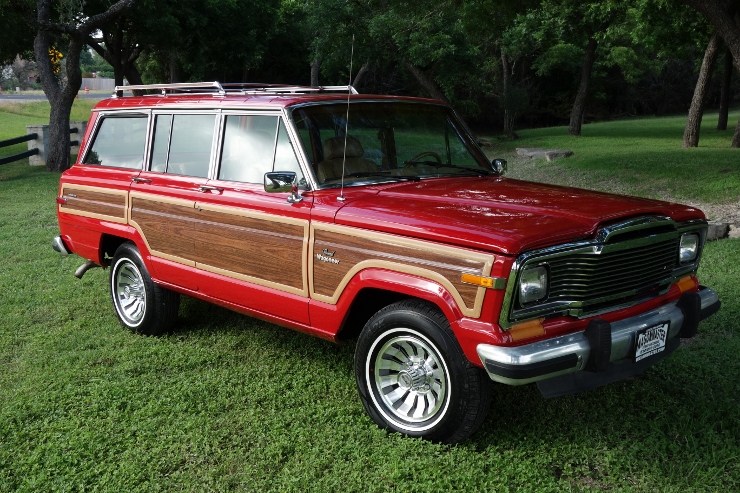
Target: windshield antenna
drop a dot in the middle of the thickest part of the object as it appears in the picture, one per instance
(346, 120)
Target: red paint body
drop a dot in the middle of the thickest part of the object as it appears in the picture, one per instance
(499, 216)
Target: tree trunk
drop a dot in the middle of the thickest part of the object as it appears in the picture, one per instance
(315, 66)
(133, 76)
(60, 97)
(425, 81)
(736, 137)
(579, 105)
(696, 111)
(434, 91)
(726, 92)
(505, 96)
(174, 69)
(361, 75)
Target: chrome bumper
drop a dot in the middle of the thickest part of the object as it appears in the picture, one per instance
(58, 245)
(573, 353)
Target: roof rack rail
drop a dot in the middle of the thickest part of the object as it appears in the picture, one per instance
(169, 88)
(247, 88)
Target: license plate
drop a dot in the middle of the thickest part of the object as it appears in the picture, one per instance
(651, 341)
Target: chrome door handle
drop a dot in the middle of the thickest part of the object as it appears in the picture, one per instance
(136, 179)
(207, 188)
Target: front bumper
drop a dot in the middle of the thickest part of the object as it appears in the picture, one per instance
(554, 362)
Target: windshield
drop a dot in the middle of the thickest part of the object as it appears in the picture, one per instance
(385, 141)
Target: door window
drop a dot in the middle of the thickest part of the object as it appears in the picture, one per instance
(251, 149)
(190, 145)
(182, 144)
(119, 142)
(161, 145)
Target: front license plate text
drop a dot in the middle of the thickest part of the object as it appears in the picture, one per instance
(650, 341)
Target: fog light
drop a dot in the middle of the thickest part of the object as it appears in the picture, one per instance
(689, 248)
(533, 284)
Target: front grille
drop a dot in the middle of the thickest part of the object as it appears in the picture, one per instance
(620, 266)
(590, 278)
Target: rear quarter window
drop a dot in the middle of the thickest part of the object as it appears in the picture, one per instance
(119, 142)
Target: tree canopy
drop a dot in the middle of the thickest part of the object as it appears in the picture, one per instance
(502, 63)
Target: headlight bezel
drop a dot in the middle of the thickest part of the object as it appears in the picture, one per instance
(533, 286)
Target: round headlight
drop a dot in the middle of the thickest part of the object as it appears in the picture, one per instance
(533, 284)
(689, 248)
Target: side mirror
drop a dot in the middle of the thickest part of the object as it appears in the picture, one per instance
(281, 182)
(499, 166)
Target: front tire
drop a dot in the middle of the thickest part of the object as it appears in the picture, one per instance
(413, 377)
(140, 305)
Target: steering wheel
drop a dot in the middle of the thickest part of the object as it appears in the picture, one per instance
(414, 160)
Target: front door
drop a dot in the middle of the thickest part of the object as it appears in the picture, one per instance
(251, 244)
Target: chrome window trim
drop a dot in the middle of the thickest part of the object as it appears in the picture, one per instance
(598, 245)
(295, 141)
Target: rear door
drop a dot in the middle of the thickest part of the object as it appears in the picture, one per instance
(163, 196)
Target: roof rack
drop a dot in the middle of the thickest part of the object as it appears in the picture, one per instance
(246, 88)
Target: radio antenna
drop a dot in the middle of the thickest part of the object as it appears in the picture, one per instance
(346, 120)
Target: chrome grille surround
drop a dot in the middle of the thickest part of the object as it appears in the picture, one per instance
(624, 264)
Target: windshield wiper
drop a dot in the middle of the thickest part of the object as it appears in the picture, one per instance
(384, 174)
(433, 164)
(368, 174)
(477, 171)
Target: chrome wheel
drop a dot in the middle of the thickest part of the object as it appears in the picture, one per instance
(129, 292)
(409, 379)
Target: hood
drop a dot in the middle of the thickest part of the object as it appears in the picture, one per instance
(498, 214)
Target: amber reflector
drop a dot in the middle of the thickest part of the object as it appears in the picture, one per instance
(486, 282)
(526, 330)
(686, 283)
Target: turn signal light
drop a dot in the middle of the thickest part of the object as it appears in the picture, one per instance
(686, 283)
(527, 330)
(486, 282)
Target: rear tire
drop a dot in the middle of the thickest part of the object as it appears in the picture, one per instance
(413, 377)
(140, 305)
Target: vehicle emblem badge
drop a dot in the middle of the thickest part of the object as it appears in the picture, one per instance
(327, 256)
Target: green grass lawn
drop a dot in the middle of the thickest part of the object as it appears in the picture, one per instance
(230, 403)
(641, 156)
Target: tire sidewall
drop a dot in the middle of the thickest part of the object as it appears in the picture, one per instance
(391, 323)
(129, 254)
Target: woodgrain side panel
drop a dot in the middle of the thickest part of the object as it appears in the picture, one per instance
(95, 202)
(259, 249)
(168, 226)
(339, 252)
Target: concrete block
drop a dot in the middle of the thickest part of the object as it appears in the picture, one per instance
(42, 141)
(549, 154)
(717, 230)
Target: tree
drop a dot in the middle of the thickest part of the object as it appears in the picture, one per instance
(696, 111)
(65, 24)
(506, 44)
(727, 25)
(725, 94)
